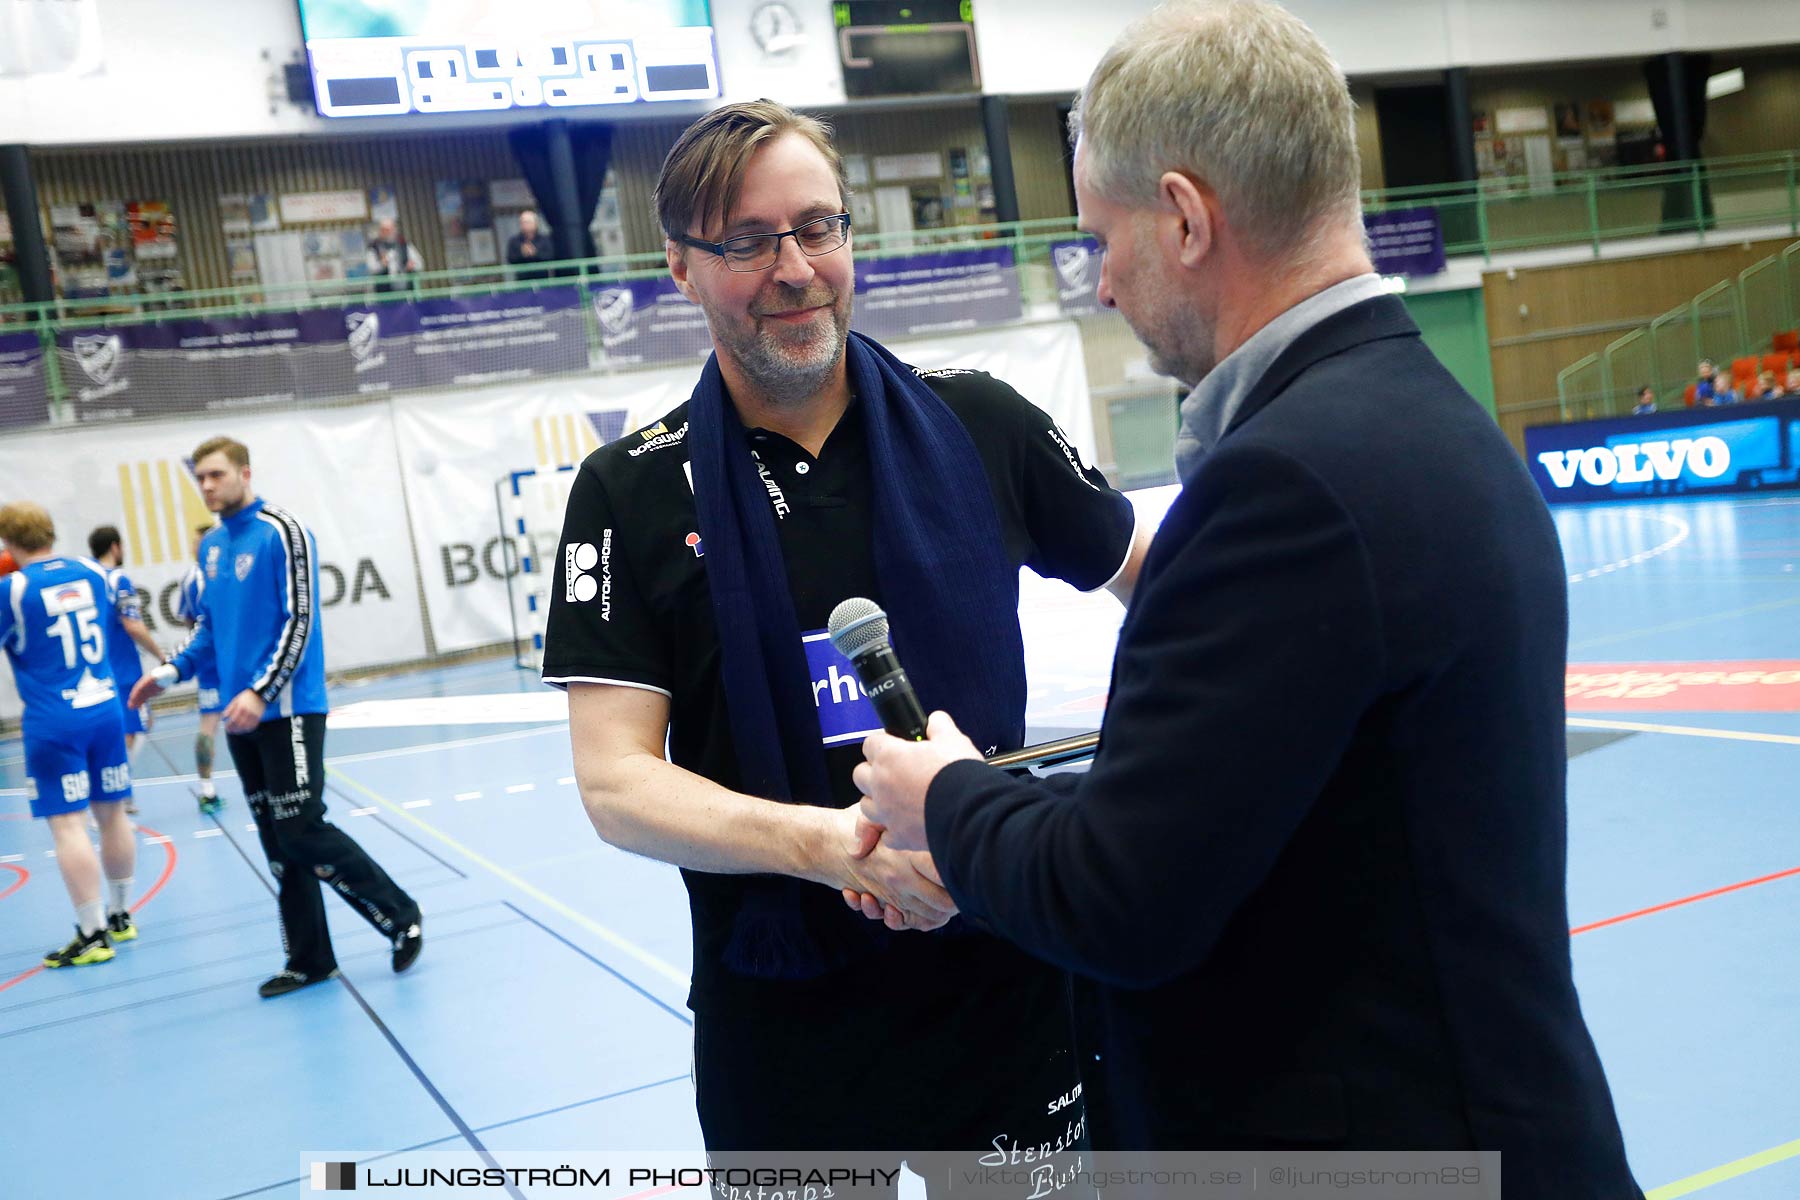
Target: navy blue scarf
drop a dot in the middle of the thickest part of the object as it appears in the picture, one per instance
(950, 591)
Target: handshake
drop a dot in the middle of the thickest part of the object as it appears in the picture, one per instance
(877, 851)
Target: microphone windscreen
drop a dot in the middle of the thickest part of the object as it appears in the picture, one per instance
(856, 625)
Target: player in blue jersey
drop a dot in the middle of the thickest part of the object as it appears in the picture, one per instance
(206, 675)
(53, 621)
(126, 633)
(259, 620)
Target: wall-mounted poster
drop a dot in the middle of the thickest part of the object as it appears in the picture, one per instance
(608, 228)
(240, 256)
(92, 245)
(265, 216)
(152, 230)
(234, 213)
(1600, 125)
(1602, 134)
(383, 204)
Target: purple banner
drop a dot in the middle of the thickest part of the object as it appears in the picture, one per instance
(936, 293)
(209, 364)
(465, 341)
(1406, 241)
(24, 399)
(644, 322)
(1077, 264)
(198, 365)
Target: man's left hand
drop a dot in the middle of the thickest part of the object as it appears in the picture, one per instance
(244, 713)
(895, 775)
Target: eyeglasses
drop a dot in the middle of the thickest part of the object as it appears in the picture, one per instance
(758, 251)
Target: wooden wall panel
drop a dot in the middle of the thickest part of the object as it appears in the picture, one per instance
(192, 177)
(1035, 128)
(1543, 319)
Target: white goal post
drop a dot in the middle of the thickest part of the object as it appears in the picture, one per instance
(530, 505)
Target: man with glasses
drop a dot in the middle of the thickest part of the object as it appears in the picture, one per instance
(700, 559)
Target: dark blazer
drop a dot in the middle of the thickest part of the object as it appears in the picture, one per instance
(1315, 876)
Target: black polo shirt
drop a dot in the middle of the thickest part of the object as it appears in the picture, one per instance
(629, 602)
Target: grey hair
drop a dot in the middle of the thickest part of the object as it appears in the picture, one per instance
(1243, 96)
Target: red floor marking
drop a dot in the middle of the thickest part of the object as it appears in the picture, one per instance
(1656, 908)
(168, 870)
(1759, 685)
(23, 876)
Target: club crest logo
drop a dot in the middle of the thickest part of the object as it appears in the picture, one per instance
(614, 307)
(1072, 263)
(242, 565)
(364, 329)
(100, 355)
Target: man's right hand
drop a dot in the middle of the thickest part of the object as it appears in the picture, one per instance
(909, 898)
(148, 687)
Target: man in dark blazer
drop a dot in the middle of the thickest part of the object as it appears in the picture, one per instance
(1314, 883)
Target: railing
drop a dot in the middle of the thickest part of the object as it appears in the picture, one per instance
(1030, 244)
(1592, 208)
(1731, 319)
(250, 299)
(1492, 216)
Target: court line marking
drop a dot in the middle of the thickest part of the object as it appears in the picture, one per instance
(1700, 731)
(604, 966)
(386, 1154)
(1668, 904)
(418, 1073)
(1643, 555)
(1726, 1171)
(616, 940)
(23, 874)
(365, 756)
(169, 858)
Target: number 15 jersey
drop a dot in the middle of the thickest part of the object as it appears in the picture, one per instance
(53, 617)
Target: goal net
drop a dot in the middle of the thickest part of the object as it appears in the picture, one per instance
(530, 504)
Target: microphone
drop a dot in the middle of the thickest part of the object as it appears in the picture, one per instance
(859, 630)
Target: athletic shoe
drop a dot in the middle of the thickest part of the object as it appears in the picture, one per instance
(283, 982)
(210, 805)
(407, 946)
(120, 927)
(85, 949)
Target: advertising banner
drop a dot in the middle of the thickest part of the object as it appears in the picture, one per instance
(1406, 241)
(1737, 448)
(185, 366)
(936, 293)
(466, 341)
(335, 471)
(1077, 264)
(453, 449)
(24, 397)
(166, 367)
(647, 322)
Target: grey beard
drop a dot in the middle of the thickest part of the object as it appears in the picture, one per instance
(783, 381)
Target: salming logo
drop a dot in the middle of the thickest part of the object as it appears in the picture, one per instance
(162, 505)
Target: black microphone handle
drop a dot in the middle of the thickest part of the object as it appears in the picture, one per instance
(891, 692)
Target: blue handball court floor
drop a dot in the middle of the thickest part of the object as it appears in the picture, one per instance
(547, 1011)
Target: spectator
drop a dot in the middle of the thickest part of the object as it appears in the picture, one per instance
(1768, 387)
(391, 256)
(1646, 402)
(529, 246)
(1792, 386)
(1723, 391)
(1703, 386)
